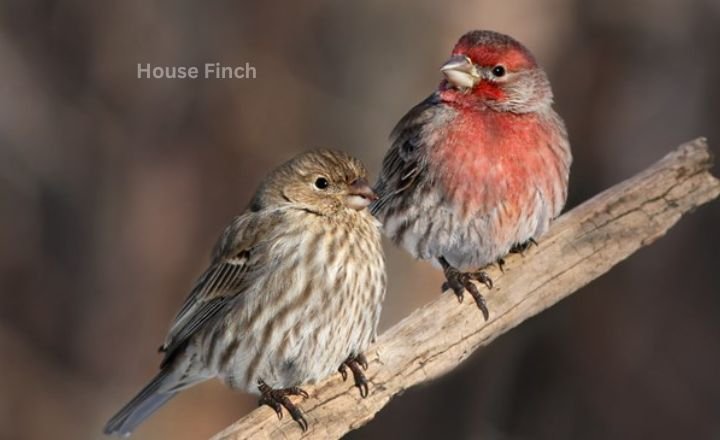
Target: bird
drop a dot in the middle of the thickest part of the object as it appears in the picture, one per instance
(293, 293)
(480, 167)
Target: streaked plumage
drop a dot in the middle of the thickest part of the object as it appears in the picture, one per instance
(481, 165)
(294, 289)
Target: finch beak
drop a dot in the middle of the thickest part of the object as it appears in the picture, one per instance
(360, 194)
(460, 72)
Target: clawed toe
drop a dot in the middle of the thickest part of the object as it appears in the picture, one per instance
(278, 399)
(355, 363)
(482, 277)
(520, 248)
(460, 282)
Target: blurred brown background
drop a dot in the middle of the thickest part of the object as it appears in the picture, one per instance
(113, 190)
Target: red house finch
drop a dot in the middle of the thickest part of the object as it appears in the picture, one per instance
(292, 294)
(480, 166)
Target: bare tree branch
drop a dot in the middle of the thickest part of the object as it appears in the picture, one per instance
(581, 245)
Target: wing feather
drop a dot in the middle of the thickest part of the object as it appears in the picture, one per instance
(405, 160)
(236, 258)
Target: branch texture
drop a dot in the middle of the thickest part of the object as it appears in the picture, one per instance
(580, 246)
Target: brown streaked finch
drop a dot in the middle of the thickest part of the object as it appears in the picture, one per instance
(480, 167)
(292, 294)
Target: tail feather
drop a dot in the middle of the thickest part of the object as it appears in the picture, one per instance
(148, 400)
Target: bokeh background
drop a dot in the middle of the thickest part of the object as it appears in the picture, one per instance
(113, 189)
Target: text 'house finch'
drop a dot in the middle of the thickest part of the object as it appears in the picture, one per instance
(478, 168)
(293, 293)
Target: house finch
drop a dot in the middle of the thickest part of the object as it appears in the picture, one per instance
(479, 167)
(292, 294)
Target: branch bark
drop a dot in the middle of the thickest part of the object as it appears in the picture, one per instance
(580, 246)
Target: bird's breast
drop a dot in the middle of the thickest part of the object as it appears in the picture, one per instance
(488, 159)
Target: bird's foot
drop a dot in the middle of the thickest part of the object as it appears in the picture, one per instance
(520, 248)
(460, 282)
(277, 399)
(355, 363)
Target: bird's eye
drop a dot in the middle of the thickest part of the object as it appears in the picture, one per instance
(321, 183)
(498, 71)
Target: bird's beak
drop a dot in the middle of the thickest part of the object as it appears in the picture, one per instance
(360, 194)
(460, 72)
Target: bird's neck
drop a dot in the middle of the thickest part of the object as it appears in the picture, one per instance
(492, 97)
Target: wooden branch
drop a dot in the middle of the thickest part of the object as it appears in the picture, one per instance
(581, 245)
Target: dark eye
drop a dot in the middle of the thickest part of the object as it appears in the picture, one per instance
(498, 71)
(321, 183)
